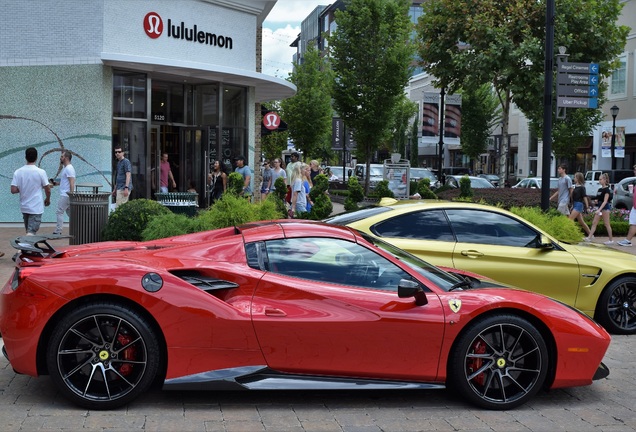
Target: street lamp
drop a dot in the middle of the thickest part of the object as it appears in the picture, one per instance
(614, 111)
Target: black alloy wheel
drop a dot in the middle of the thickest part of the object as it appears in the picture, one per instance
(500, 362)
(616, 310)
(102, 356)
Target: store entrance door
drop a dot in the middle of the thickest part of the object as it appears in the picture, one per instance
(195, 162)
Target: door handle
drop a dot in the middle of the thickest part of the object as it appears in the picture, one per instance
(472, 253)
(274, 312)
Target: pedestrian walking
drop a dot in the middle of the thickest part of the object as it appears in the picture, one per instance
(243, 169)
(579, 202)
(564, 193)
(123, 178)
(632, 221)
(67, 184)
(166, 178)
(29, 181)
(604, 208)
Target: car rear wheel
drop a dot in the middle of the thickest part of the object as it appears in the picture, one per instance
(616, 309)
(499, 362)
(103, 355)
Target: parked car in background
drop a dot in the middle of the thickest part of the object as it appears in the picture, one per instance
(535, 183)
(488, 240)
(591, 179)
(336, 178)
(492, 178)
(623, 197)
(377, 174)
(419, 173)
(288, 305)
(475, 182)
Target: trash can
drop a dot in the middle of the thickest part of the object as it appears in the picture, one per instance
(89, 214)
(179, 202)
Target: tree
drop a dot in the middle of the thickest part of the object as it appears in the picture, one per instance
(414, 143)
(371, 55)
(404, 111)
(308, 114)
(502, 42)
(480, 113)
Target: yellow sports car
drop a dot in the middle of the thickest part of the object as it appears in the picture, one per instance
(598, 280)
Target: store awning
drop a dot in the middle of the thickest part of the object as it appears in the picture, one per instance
(266, 87)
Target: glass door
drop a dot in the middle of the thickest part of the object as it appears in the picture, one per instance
(194, 159)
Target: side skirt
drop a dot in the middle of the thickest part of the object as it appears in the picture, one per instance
(263, 378)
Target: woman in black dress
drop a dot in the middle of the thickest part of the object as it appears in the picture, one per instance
(217, 180)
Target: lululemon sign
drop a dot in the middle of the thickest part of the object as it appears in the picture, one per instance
(153, 25)
(271, 120)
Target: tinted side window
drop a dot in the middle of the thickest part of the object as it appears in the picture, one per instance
(333, 261)
(484, 227)
(422, 225)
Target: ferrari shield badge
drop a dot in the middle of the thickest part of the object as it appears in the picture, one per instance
(455, 305)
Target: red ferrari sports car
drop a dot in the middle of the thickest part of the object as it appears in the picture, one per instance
(281, 305)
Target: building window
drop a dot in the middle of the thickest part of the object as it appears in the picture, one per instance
(618, 81)
(129, 95)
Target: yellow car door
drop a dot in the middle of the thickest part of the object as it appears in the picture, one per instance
(506, 249)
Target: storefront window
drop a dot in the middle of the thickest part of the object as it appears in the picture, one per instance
(234, 121)
(206, 111)
(129, 95)
(168, 102)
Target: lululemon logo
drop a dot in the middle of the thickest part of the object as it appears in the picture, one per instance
(271, 120)
(153, 25)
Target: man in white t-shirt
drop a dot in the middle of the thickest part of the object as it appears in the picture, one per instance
(29, 181)
(67, 184)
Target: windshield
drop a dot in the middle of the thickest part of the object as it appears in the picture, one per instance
(439, 277)
(377, 171)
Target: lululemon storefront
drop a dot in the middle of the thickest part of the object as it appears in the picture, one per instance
(175, 77)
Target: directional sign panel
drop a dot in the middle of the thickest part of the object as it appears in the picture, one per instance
(574, 102)
(581, 91)
(581, 68)
(577, 79)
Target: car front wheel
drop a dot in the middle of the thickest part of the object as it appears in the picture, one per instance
(103, 355)
(616, 310)
(499, 362)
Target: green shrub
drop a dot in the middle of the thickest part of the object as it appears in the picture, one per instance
(322, 204)
(382, 190)
(465, 191)
(278, 197)
(129, 220)
(232, 210)
(552, 222)
(356, 194)
(424, 189)
(169, 225)
(235, 183)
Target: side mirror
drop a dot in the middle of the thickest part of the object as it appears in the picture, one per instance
(545, 242)
(407, 288)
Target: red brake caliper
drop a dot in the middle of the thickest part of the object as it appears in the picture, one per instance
(474, 364)
(128, 354)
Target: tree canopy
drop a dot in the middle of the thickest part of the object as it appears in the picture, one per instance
(502, 42)
(370, 56)
(308, 114)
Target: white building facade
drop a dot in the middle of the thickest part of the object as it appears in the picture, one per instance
(163, 76)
